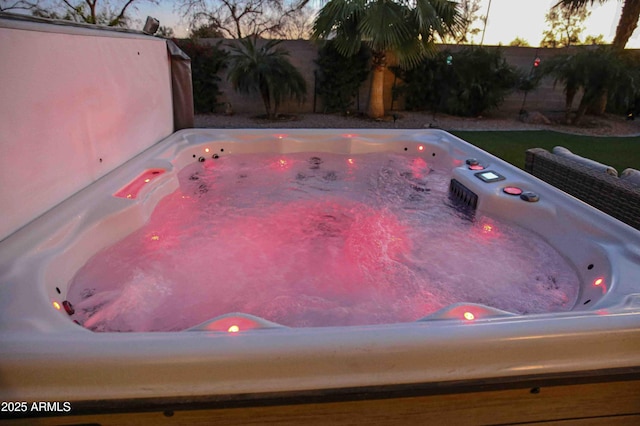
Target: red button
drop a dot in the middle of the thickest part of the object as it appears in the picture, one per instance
(512, 190)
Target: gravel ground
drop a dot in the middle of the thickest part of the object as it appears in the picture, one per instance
(601, 126)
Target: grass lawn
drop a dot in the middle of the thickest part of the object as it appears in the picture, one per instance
(618, 152)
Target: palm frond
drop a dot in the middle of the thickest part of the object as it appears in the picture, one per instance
(339, 19)
(440, 16)
(385, 25)
(405, 27)
(577, 4)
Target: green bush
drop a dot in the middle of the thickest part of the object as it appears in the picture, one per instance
(426, 86)
(624, 98)
(340, 77)
(206, 63)
(601, 74)
(465, 83)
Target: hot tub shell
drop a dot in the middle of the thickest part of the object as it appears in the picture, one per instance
(44, 356)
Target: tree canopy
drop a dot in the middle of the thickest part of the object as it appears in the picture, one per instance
(628, 18)
(241, 18)
(565, 25)
(113, 13)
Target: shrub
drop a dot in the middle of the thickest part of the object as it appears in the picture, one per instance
(340, 77)
(466, 83)
(426, 86)
(625, 96)
(482, 80)
(206, 63)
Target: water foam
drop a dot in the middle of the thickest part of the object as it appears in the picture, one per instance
(315, 240)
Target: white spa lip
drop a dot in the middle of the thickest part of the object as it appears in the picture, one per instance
(45, 356)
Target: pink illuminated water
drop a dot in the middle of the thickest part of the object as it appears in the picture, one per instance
(315, 240)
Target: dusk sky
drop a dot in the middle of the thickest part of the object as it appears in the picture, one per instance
(508, 19)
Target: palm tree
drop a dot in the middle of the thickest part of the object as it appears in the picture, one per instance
(266, 70)
(627, 23)
(626, 26)
(405, 28)
(566, 70)
(596, 72)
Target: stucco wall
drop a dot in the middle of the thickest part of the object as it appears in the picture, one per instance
(303, 53)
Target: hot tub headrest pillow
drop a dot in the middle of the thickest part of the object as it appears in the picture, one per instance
(564, 152)
(632, 176)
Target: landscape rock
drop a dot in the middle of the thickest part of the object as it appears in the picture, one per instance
(534, 117)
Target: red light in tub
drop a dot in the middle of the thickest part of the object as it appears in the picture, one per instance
(487, 230)
(599, 282)
(419, 168)
(132, 189)
(468, 316)
(348, 135)
(420, 148)
(418, 163)
(281, 164)
(476, 167)
(350, 161)
(206, 150)
(281, 135)
(233, 324)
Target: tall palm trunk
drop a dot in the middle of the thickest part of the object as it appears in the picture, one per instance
(627, 23)
(376, 93)
(266, 97)
(582, 109)
(570, 96)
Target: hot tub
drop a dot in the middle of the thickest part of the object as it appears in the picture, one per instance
(240, 358)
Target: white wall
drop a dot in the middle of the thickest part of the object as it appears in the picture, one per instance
(74, 104)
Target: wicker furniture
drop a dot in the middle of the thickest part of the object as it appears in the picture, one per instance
(612, 195)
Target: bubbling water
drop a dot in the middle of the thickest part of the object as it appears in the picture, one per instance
(315, 240)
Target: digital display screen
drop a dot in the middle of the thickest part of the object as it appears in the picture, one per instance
(489, 176)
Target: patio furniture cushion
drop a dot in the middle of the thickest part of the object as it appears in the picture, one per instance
(564, 152)
(631, 175)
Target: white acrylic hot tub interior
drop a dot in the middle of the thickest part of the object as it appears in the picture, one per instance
(39, 261)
